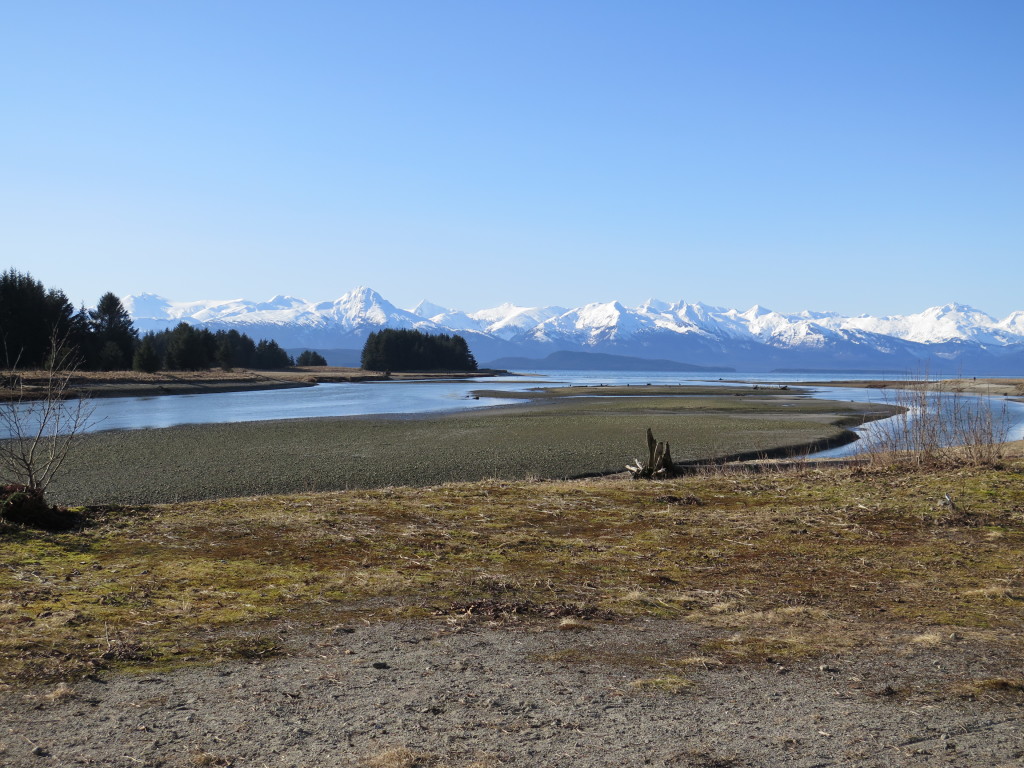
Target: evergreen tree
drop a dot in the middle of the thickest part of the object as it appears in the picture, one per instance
(31, 319)
(115, 335)
(234, 350)
(146, 358)
(310, 357)
(270, 355)
(189, 348)
(186, 350)
(112, 358)
(411, 350)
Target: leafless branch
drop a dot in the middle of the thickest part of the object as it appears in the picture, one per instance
(39, 422)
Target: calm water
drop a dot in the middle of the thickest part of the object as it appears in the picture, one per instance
(385, 397)
(405, 397)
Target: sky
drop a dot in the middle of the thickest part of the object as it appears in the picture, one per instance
(859, 156)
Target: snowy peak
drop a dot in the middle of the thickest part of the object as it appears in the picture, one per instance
(428, 310)
(654, 306)
(1013, 323)
(593, 324)
(714, 332)
(279, 302)
(949, 322)
(147, 305)
(509, 320)
(756, 311)
(600, 315)
(364, 306)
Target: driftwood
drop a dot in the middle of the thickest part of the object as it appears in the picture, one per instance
(659, 461)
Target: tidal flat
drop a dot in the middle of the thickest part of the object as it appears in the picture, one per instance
(556, 434)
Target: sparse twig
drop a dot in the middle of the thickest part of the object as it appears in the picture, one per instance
(39, 424)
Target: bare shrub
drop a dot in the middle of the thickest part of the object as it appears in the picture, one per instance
(940, 424)
(40, 421)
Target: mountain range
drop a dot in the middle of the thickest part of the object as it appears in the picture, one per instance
(953, 338)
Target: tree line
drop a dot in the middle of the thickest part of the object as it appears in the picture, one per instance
(409, 350)
(185, 348)
(39, 326)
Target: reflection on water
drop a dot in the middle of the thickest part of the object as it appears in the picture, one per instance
(300, 403)
(409, 397)
(1004, 418)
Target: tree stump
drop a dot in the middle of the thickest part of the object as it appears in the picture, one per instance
(659, 461)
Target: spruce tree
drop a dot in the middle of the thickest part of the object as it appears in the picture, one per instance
(411, 350)
(185, 349)
(32, 319)
(310, 357)
(112, 325)
(146, 358)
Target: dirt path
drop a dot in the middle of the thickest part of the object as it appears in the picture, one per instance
(442, 694)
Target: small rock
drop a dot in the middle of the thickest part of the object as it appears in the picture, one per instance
(381, 665)
(826, 668)
(40, 752)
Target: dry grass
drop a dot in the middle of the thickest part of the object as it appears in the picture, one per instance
(203, 759)
(991, 687)
(571, 623)
(941, 425)
(666, 683)
(782, 565)
(927, 640)
(404, 757)
(61, 693)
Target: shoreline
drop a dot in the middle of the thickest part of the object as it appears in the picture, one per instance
(1001, 387)
(96, 384)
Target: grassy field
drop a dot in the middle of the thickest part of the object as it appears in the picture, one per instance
(557, 437)
(794, 564)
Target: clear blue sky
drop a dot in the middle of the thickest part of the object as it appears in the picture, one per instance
(860, 156)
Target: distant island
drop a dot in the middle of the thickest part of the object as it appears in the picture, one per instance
(599, 361)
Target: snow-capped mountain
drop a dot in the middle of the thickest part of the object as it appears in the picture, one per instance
(508, 320)
(946, 323)
(758, 338)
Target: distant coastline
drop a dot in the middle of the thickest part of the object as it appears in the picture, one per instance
(135, 384)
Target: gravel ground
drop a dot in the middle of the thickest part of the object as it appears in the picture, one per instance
(549, 440)
(438, 693)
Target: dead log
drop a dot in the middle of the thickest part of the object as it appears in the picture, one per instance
(659, 461)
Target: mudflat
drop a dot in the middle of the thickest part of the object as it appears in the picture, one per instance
(548, 437)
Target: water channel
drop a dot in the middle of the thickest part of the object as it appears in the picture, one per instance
(409, 397)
